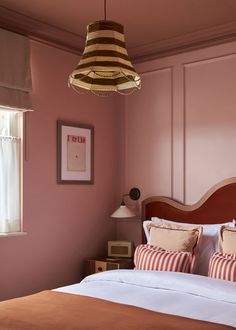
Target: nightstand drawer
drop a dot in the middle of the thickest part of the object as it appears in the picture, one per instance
(103, 264)
(100, 266)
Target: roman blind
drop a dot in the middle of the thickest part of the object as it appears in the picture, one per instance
(15, 73)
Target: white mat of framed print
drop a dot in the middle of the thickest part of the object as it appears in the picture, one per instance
(75, 146)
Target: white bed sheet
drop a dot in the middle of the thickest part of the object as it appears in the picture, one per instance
(187, 295)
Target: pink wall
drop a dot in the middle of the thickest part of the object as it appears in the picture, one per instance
(180, 128)
(175, 137)
(66, 224)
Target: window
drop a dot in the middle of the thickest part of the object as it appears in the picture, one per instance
(15, 98)
(11, 132)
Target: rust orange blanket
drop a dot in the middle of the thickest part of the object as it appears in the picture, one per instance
(49, 310)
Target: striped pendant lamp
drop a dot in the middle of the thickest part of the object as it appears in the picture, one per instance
(105, 65)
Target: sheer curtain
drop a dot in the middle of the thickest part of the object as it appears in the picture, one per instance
(10, 172)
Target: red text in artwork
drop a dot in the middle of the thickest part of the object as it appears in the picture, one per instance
(76, 139)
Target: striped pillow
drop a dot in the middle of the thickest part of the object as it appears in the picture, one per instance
(149, 257)
(223, 266)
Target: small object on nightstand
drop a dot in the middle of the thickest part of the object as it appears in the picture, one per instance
(103, 264)
(123, 249)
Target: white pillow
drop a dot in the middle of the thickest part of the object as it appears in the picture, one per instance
(207, 245)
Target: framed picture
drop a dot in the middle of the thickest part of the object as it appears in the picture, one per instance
(75, 153)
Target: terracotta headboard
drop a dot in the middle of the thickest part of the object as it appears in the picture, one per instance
(218, 205)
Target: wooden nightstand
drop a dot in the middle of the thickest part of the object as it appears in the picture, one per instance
(101, 264)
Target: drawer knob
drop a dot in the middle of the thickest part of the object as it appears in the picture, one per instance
(100, 269)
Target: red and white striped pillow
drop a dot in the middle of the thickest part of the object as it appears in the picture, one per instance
(223, 266)
(149, 257)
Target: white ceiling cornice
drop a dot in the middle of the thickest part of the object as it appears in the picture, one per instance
(74, 43)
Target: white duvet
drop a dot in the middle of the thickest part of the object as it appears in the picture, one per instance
(188, 295)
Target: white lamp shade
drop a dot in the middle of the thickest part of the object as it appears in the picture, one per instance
(123, 212)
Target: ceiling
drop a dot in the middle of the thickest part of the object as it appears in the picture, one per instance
(153, 28)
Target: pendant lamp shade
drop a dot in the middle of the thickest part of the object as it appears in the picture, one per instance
(105, 65)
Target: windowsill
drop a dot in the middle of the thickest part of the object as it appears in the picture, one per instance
(17, 233)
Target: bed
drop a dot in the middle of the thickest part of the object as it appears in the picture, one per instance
(140, 299)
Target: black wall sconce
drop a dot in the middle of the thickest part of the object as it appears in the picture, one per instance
(123, 211)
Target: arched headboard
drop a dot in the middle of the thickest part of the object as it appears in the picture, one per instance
(218, 205)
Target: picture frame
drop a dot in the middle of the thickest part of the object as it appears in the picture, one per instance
(75, 153)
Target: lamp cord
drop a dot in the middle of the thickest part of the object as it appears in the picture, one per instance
(105, 10)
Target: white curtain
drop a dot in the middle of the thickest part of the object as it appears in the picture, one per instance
(10, 184)
(10, 172)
